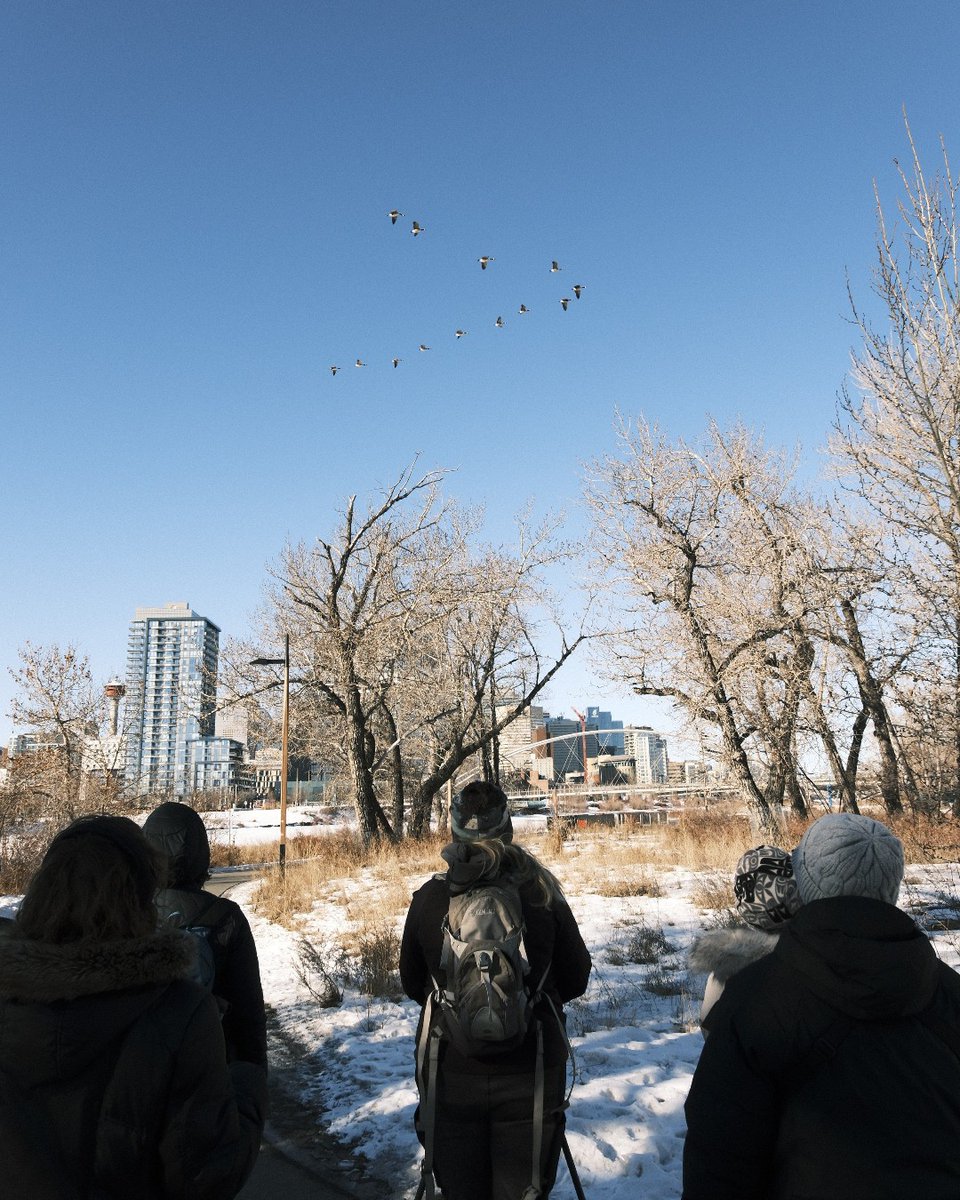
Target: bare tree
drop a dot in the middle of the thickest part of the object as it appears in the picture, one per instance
(708, 578)
(399, 627)
(897, 434)
(67, 767)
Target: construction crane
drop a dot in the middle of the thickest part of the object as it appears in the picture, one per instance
(583, 744)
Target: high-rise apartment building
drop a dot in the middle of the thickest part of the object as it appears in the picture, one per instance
(172, 655)
(649, 753)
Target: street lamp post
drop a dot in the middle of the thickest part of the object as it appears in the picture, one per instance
(284, 729)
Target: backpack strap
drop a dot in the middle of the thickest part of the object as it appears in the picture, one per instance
(428, 1057)
(536, 1182)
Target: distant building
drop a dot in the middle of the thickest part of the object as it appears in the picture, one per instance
(521, 746)
(215, 763)
(232, 723)
(649, 753)
(172, 655)
(602, 721)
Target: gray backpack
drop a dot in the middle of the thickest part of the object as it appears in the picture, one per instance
(485, 1001)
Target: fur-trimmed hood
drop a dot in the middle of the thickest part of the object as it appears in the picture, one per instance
(724, 952)
(63, 1008)
(40, 972)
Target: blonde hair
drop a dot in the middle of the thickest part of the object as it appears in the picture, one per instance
(520, 867)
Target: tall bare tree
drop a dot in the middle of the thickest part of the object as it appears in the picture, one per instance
(897, 433)
(708, 577)
(399, 626)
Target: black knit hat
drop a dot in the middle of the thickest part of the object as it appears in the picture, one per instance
(479, 812)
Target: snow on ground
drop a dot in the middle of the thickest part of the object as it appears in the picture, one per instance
(636, 1049)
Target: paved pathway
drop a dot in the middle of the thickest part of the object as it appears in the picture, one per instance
(297, 1160)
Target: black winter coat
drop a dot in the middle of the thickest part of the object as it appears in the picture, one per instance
(179, 831)
(551, 937)
(112, 1063)
(772, 1115)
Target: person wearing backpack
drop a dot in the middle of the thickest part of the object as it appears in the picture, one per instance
(492, 1046)
(114, 1081)
(832, 1066)
(179, 833)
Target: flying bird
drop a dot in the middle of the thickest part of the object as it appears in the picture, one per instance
(393, 214)
(484, 259)
(461, 333)
(416, 230)
(499, 322)
(358, 363)
(523, 309)
(564, 302)
(423, 347)
(577, 289)
(397, 362)
(554, 265)
(334, 370)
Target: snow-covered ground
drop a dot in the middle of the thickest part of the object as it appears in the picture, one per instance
(636, 1049)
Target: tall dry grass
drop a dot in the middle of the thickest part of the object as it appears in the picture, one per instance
(372, 884)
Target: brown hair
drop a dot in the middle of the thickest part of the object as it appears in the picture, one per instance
(520, 867)
(97, 882)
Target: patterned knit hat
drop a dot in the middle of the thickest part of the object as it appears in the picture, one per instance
(764, 887)
(479, 812)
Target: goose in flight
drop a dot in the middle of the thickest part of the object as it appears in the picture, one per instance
(484, 259)
(577, 289)
(416, 229)
(461, 333)
(359, 363)
(396, 362)
(523, 309)
(334, 370)
(564, 302)
(554, 266)
(423, 347)
(393, 214)
(499, 322)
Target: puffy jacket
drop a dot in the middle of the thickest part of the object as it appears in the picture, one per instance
(828, 1071)
(113, 1065)
(180, 833)
(551, 937)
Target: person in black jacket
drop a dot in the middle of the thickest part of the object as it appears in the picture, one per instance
(832, 1068)
(179, 833)
(114, 1080)
(484, 1133)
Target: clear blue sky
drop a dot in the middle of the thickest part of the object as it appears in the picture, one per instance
(193, 228)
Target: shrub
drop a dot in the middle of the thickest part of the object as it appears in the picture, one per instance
(643, 945)
(322, 971)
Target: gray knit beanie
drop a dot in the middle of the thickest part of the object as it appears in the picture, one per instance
(844, 854)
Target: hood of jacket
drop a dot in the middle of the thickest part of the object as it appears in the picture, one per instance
(62, 1006)
(724, 952)
(180, 833)
(862, 956)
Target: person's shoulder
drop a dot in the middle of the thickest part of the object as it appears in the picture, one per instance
(725, 952)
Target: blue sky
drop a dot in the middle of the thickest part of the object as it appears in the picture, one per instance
(193, 229)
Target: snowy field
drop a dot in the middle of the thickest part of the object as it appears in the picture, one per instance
(636, 1048)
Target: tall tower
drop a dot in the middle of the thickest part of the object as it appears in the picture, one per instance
(114, 692)
(172, 655)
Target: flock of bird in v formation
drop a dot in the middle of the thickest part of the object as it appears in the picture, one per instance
(484, 260)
